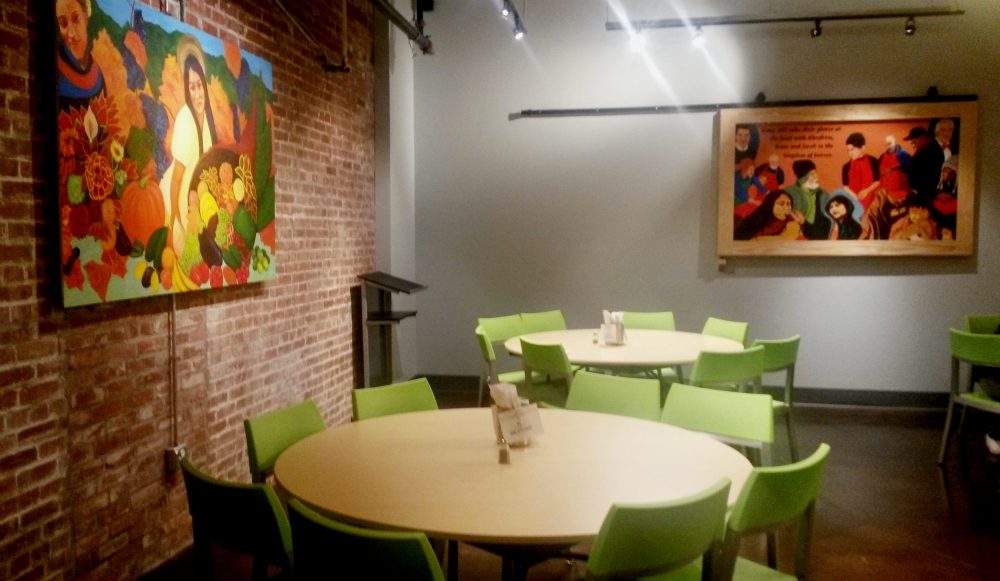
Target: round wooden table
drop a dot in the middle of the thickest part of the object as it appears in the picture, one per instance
(643, 347)
(438, 472)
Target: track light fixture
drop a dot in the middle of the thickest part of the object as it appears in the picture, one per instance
(518, 26)
(911, 26)
(505, 11)
(699, 38)
(817, 30)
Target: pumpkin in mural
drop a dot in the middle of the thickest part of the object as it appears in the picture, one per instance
(142, 210)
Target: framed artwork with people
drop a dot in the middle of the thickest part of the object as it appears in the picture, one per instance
(166, 181)
(848, 180)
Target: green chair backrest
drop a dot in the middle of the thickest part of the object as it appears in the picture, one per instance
(408, 396)
(982, 324)
(747, 416)
(646, 539)
(623, 396)
(327, 549)
(975, 348)
(485, 345)
(658, 321)
(773, 496)
(545, 359)
(546, 321)
(779, 353)
(500, 329)
(268, 435)
(720, 368)
(727, 329)
(246, 518)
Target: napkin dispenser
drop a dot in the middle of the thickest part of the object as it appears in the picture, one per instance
(613, 329)
(515, 420)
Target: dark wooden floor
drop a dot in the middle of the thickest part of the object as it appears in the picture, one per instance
(886, 511)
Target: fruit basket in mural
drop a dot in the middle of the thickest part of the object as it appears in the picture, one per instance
(165, 138)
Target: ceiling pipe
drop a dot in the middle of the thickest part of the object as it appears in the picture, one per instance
(411, 31)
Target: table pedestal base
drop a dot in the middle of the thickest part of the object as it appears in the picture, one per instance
(518, 558)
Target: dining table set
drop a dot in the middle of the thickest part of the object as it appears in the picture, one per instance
(437, 471)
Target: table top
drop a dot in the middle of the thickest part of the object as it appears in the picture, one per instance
(438, 472)
(643, 347)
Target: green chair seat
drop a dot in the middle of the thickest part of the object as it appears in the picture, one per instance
(245, 518)
(268, 435)
(980, 400)
(408, 396)
(624, 396)
(328, 549)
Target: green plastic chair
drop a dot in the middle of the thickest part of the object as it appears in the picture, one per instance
(982, 324)
(781, 355)
(268, 435)
(727, 329)
(328, 549)
(546, 321)
(741, 419)
(245, 518)
(551, 362)
(623, 396)
(977, 349)
(489, 373)
(662, 321)
(771, 498)
(499, 329)
(409, 396)
(728, 370)
(638, 540)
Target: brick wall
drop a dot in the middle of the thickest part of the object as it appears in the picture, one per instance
(84, 394)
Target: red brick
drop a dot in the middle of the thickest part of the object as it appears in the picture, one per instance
(38, 391)
(18, 459)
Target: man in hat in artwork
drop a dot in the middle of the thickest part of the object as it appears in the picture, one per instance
(809, 199)
(924, 170)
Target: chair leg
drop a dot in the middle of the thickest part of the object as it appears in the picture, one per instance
(765, 454)
(452, 560)
(482, 385)
(961, 420)
(259, 571)
(792, 446)
(789, 386)
(772, 550)
(947, 428)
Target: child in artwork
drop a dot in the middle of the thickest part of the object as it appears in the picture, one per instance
(840, 209)
(917, 226)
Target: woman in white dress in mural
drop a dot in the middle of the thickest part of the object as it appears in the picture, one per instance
(194, 134)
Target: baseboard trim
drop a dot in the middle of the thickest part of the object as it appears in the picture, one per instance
(804, 395)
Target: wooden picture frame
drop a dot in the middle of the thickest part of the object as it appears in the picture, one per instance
(914, 199)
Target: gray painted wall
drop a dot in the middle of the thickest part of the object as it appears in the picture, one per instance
(592, 213)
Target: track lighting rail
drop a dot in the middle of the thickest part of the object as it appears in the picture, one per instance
(931, 97)
(738, 20)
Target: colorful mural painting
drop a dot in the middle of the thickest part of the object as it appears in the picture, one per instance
(876, 175)
(165, 138)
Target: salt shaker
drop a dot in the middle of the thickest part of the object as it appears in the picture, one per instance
(505, 454)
